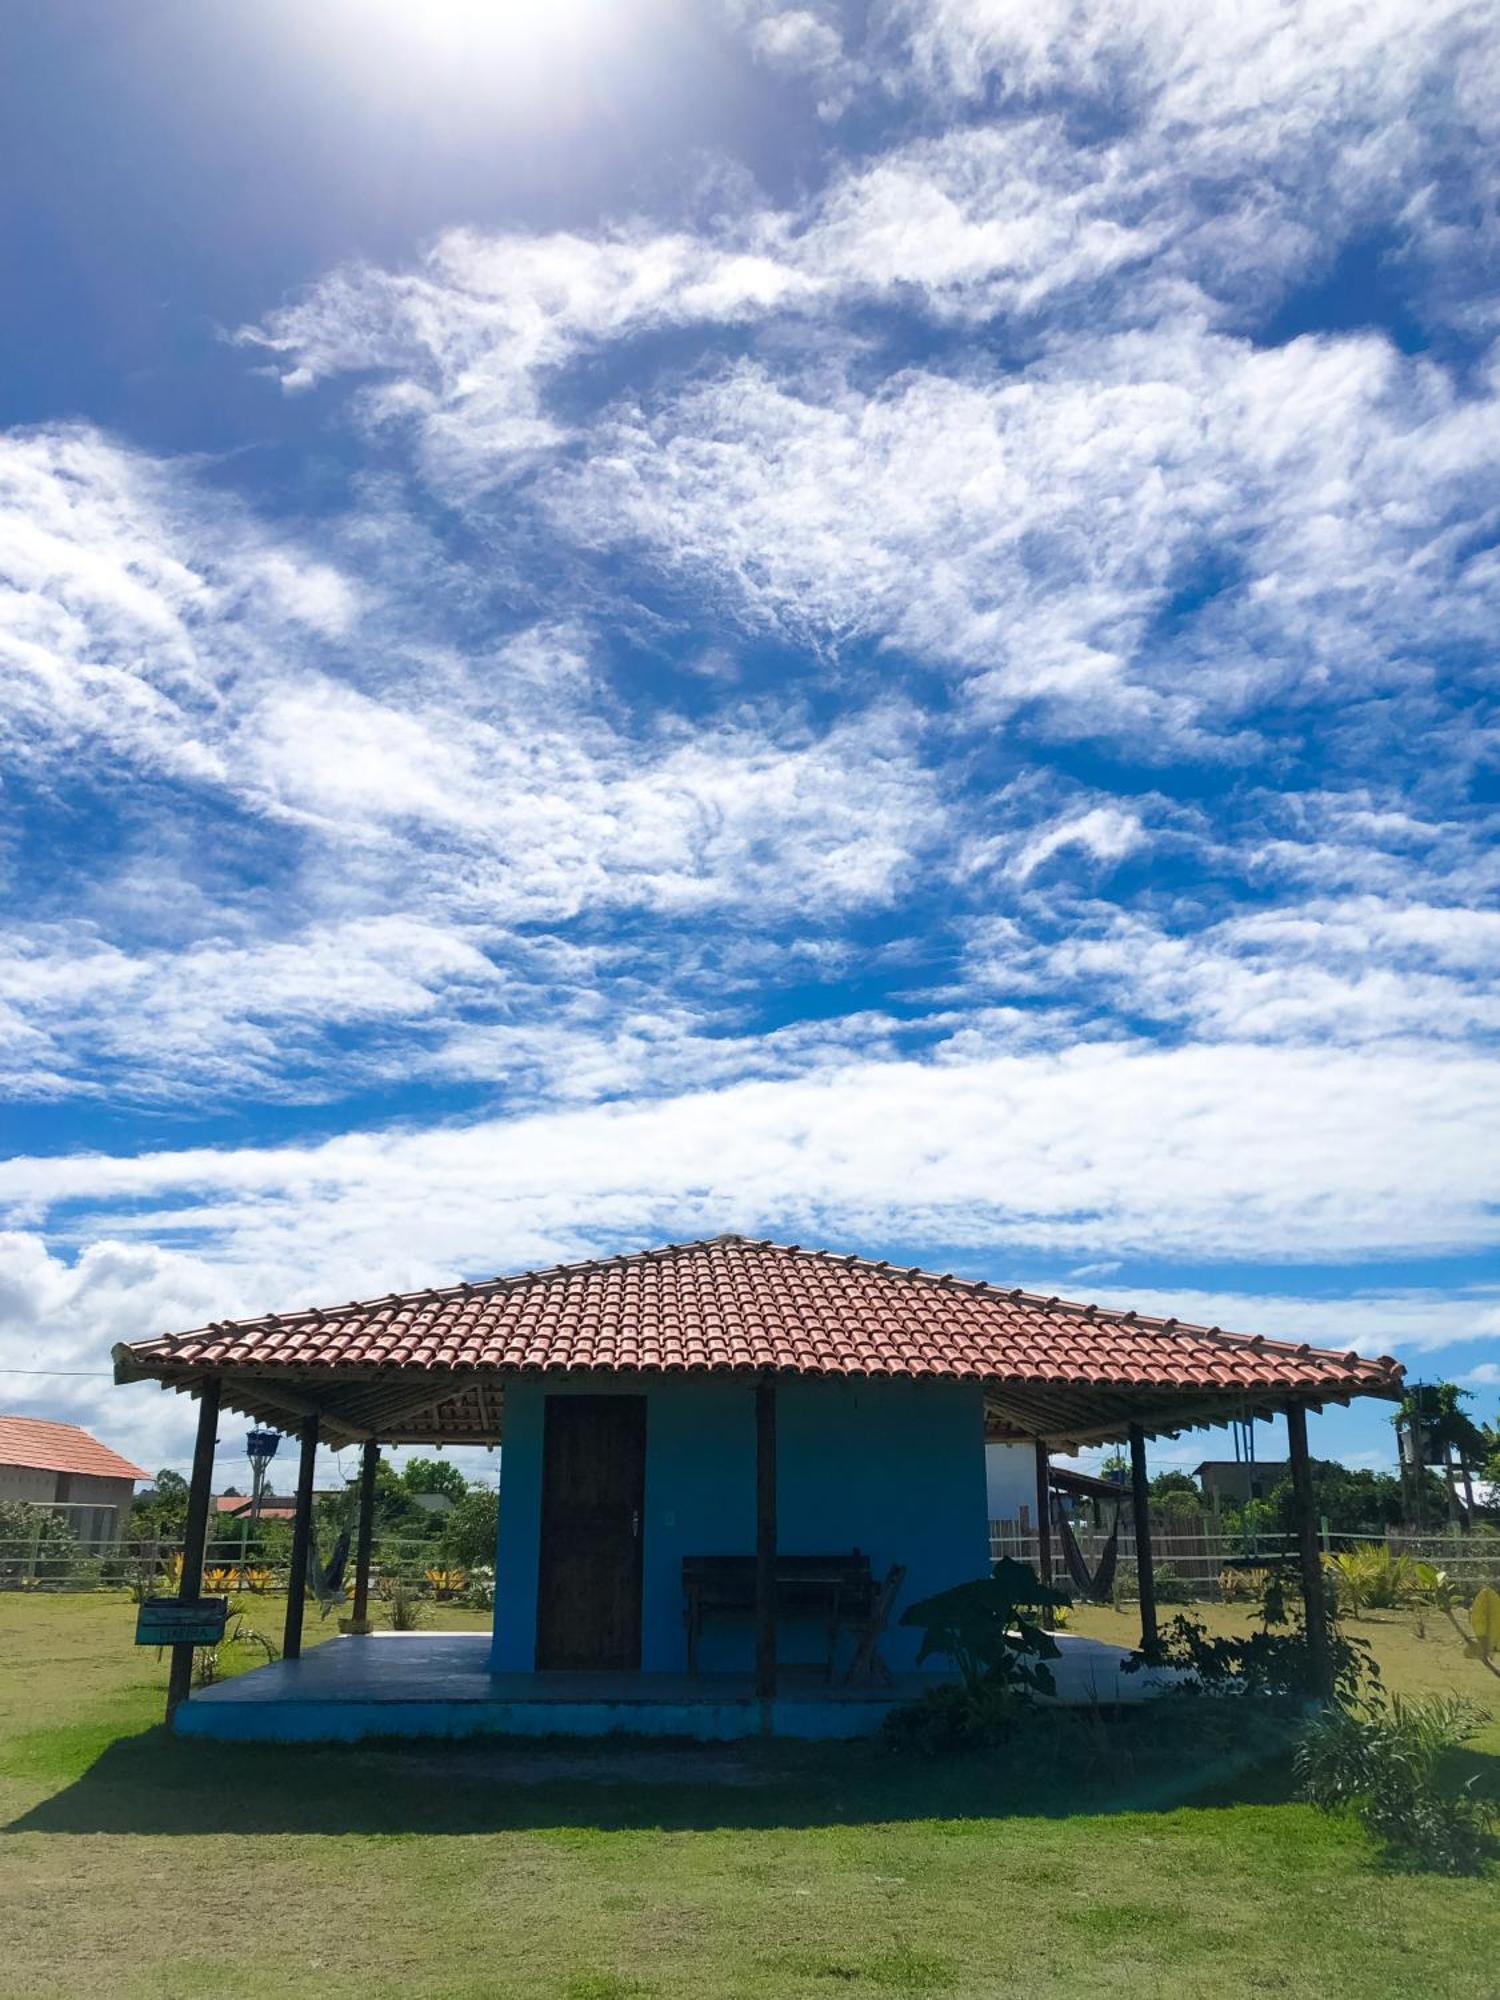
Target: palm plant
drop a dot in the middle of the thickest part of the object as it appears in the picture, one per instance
(1372, 1579)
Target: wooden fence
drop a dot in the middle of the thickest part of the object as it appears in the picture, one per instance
(1196, 1552)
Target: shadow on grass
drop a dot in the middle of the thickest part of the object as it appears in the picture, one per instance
(153, 1783)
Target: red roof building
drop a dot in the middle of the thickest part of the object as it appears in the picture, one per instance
(735, 1426)
(1052, 1368)
(59, 1465)
(40, 1445)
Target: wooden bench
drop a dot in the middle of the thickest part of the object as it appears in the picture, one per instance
(839, 1588)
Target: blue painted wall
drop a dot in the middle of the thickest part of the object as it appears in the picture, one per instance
(895, 1468)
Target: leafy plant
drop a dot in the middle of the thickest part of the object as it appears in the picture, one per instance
(408, 1613)
(1382, 1763)
(989, 1628)
(239, 1636)
(1242, 1586)
(953, 1716)
(469, 1533)
(479, 1592)
(1372, 1579)
(1171, 1586)
(36, 1546)
(1482, 1640)
(1275, 1661)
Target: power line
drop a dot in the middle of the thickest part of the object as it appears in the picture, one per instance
(76, 1374)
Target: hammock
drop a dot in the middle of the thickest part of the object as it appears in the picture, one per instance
(1100, 1585)
(326, 1580)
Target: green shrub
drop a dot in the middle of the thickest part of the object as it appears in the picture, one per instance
(989, 1630)
(1383, 1764)
(36, 1546)
(1276, 1661)
(955, 1717)
(1242, 1586)
(1172, 1587)
(468, 1534)
(1372, 1579)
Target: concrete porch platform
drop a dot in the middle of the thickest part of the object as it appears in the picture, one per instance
(439, 1684)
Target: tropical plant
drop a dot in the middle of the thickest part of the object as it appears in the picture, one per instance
(1434, 1415)
(408, 1613)
(1242, 1586)
(239, 1636)
(1382, 1762)
(1482, 1640)
(1372, 1579)
(953, 1717)
(446, 1583)
(989, 1628)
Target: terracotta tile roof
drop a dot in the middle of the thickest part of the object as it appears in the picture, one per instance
(50, 1447)
(735, 1303)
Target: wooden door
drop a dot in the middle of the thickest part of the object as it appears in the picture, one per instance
(593, 1497)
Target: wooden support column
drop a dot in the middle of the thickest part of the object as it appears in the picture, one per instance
(296, 1587)
(1309, 1554)
(765, 1537)
(1145, 1567)
(195, 1534)
(369, 1461)
(1044, 1522)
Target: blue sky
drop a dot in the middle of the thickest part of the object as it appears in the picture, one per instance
(869, 625)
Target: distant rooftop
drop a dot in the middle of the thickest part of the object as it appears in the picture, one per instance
(46, 1446)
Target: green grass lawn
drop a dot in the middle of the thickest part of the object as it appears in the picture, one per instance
(134, 1865)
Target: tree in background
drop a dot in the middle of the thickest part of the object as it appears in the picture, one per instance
(160, 1513)
(1176, 1497)
(1433, 1413)
(434, 1475)
(466, 1537)
(1354, 1500)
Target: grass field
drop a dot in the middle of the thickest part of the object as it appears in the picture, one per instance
(132, 1865)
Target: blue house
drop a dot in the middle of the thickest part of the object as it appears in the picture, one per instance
(728, 1465)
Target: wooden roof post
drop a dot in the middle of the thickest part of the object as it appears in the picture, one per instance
(195, 1533)
(1145, 1567)
(296, 1583)
(765, 1541)
(1044, 1524)
(1309, 1553)
(369, 1461)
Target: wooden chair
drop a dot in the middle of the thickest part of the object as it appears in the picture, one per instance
(867, 1665)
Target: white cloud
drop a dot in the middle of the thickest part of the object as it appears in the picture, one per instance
(1009, 1163)
(1104, 832)
(1235, 1151)
(1033, 529)
(1356, 971)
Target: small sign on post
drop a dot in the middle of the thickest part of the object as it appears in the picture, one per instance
(181, 1621)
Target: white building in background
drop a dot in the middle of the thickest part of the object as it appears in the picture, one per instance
(1010, 1475)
